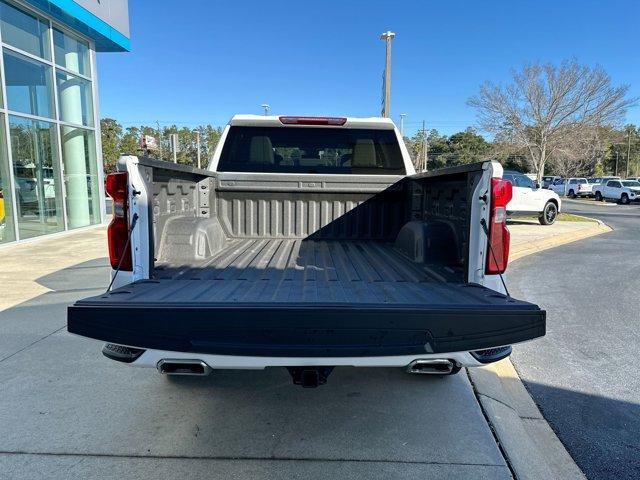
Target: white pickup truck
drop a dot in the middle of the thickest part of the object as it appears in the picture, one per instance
(572, 187)
(308, 243)
(623, 191)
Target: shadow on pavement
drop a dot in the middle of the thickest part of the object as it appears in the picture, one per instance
(615, 453)
(522, 222)
(92, 274)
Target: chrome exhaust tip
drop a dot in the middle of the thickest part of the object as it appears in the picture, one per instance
(438, 366)
(168, 366)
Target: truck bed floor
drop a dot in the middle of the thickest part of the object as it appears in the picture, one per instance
(303, 271)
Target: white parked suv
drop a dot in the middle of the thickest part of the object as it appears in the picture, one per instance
(573, 187)
(528, 198)
(623, 191)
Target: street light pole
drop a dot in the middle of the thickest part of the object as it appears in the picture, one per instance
(628, 151)
(159, 138)
(425, 146)
(266, 108)
(386, 107)
(402, 115)
(198, 146)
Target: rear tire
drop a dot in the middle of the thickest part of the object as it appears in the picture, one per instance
(572, 194)
(599, 197)
(624, 199)
(549, 214)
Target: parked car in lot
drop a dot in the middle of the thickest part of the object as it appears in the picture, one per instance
(529, 199)
(573, 187)
(599, 184)
(601, 181)
(636, 179)
(623, 191)
(548, 181)
(309, 243)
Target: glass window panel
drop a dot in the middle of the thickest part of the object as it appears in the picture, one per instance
(1, 98)
(74, 99)
(36, 174)
(24, 31)
(7, 232)
(29, 85)
(71, 53)
(80, 176)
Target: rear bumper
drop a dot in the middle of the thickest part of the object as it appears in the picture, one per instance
(308, 331)
(150, 359)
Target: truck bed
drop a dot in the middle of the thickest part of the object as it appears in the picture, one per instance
(288, 297)
(300, 271)
(299, 266)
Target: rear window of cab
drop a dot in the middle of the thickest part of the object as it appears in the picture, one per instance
(311, 150)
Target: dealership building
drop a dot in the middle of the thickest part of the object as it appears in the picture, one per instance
(51, 177)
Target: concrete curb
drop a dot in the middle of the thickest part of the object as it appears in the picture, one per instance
(596, 227)
(529, 444)
(586, 202)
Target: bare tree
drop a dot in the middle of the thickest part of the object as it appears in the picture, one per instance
(577, 153)
(546, 106)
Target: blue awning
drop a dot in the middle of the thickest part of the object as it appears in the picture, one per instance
(78, 18)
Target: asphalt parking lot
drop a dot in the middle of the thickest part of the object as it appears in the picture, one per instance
(68, 413)
(584, 373)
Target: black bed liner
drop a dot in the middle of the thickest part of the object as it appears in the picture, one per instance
(296, 270)
(292, 297)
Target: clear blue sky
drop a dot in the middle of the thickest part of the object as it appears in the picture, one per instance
(201, 61)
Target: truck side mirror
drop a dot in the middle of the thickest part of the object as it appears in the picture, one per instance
(536, 185)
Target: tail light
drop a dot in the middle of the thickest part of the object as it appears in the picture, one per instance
(118, 229)
(313, 120)
(499, 238)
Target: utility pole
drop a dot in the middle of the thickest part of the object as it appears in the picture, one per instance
(425, 146)
(386, 106)
(159, 137)
(174, 146)
(198, 147)
(266, 107)
(628, 150)
(616, 172)
(402, 115)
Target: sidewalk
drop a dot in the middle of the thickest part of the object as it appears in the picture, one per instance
(24, 263)
(528, 237)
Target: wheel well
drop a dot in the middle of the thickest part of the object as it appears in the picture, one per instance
(551, 200)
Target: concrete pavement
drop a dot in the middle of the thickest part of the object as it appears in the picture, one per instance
(67, 412)
(25, 263)
(528, 237)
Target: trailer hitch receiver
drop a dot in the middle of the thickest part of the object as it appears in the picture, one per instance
(309, 377)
